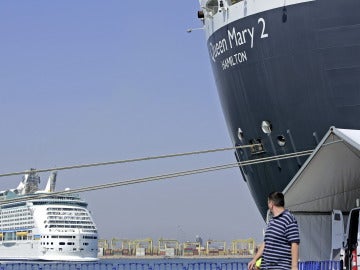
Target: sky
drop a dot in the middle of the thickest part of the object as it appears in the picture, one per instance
(94, 81)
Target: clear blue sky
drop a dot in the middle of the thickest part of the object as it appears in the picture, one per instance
(88, 81)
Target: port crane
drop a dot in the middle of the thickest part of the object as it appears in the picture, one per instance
(103, 243)
(244, 247)
(134, 244)
(125, 243)
(168, 243)
(217, 246)
(164, 244)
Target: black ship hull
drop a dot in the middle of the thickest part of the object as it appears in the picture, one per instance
(296, 67)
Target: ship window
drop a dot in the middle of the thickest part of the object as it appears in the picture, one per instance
(65, 236)
(212, 6)
(62, 243)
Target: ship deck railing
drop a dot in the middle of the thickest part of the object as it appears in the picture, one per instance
(185, 265)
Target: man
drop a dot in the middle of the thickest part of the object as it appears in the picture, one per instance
(280, 249)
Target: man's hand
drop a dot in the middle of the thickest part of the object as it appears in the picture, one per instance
(251, 264)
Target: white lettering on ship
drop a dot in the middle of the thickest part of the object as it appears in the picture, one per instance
(218, 49)
(239, 38)
(233, 60)
(235, 40)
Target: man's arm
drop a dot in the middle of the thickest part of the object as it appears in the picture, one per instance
(258, 254)
(294, 255)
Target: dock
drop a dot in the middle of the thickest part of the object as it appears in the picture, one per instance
(118, 248)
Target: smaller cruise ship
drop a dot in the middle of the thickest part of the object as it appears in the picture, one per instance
(42, 225)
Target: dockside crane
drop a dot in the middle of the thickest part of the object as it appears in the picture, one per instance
(103, 243)
(164, 244)
(134, 244)
(244, 247)
(215, 246)
(125, 243)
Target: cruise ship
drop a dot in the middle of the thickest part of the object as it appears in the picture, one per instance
(42, 225)
(286, 71)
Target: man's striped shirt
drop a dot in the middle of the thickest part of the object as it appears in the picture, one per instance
(281, 231)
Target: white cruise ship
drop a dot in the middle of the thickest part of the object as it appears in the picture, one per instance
(42, 225)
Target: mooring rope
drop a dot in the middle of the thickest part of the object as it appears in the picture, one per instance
(162, 176)
(128, 160)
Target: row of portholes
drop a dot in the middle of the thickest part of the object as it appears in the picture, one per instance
(266, 127)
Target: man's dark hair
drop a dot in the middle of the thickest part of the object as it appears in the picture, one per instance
(277, 198)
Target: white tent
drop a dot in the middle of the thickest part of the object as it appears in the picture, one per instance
(329, 179)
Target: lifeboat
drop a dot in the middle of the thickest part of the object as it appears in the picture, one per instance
(21, 233)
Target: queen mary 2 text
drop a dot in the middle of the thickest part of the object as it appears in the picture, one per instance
(237, 41)
(218, 49)
(234, 39)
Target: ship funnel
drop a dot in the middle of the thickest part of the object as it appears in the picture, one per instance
(20, 187)
(29, 184)
(50, 186)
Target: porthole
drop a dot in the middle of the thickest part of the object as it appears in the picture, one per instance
(281, 140)
(266, 127)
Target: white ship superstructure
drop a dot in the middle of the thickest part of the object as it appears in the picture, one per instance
(38, 227)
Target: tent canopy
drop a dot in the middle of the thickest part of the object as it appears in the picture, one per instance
(330, 178)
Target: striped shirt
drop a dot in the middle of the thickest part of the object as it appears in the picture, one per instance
(281, 231)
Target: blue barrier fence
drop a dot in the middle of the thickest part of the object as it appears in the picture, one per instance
(323, 265)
